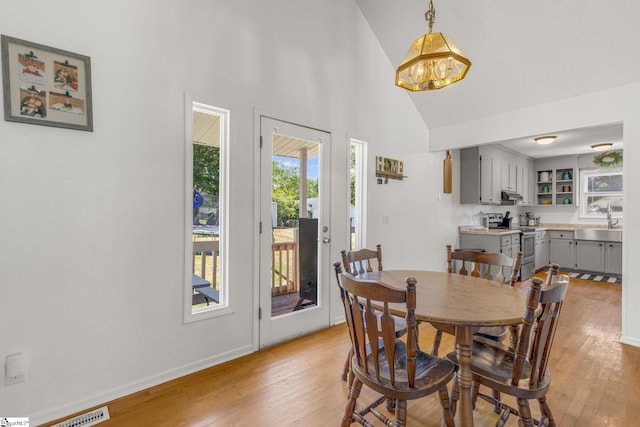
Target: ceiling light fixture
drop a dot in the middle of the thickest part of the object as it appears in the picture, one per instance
(432, 62)
(544, 140)
(601, 147)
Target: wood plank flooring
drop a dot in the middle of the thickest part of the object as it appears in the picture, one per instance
(596, 380)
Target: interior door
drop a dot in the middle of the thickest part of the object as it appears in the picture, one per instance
(295, 226)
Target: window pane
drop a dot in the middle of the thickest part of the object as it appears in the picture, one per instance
(604, 183)
(597, 205)
(209, 291)
(357, 194)
(601, 191)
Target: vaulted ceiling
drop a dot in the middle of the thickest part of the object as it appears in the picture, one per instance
(523, 53)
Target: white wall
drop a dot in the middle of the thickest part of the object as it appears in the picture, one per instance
(92, 223)
(90, 281)
(615, 105)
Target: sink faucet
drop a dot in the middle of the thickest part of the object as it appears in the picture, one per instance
(610, 223)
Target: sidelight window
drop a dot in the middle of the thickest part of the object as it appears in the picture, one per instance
(206, 286)
(357, 194)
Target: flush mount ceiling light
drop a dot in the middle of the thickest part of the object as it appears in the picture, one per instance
(601, 147)
(544, 140)
(432, 62)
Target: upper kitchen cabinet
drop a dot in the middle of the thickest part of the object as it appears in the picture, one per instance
(478, 173)
(556, 181)
(486, 171)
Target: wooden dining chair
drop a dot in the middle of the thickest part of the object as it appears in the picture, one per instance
(400, 325)
(381, 361)
(487, 265)
(522, 373)
(552, 273)
(360, 261)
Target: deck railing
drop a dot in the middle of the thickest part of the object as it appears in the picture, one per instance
(284, 271)
(206, 254)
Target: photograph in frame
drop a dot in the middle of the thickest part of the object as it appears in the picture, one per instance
(46, 86)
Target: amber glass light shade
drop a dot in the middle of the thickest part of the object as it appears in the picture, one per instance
(432, 62)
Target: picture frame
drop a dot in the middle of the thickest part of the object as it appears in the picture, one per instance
(46, 86)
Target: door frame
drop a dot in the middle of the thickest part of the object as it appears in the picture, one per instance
(325, 295)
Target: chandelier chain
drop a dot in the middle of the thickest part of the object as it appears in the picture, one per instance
(430, 16)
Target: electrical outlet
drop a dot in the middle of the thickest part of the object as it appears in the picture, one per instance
(15, 369)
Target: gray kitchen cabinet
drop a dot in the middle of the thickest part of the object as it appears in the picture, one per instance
(590, 255)
(522, 185)
(562, 250)
(505, 246)
(515, 244)
(490, 178)
(496, 181)
(508, 175)
(479, 177)
(485, 172)
(488, 242)
(542, 249)
(613, 258)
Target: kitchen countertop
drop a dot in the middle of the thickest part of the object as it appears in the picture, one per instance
(515, 230)
(571, 227)
(490, 231)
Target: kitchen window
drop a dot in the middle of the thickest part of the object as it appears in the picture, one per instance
(601, 193)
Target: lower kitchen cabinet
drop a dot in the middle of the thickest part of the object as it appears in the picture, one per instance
(590, 255)
(613, 258)
(562, 250)
(542, 249)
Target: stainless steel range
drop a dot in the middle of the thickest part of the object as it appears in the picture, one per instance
(528, 248)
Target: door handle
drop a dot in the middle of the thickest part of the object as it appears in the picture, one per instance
(326, 240)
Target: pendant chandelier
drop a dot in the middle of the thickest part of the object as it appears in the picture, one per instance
(433, 61)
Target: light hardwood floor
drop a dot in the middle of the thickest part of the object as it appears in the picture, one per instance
(596, 380)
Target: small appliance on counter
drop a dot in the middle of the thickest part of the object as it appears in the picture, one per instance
(531, 219)
(498, 220)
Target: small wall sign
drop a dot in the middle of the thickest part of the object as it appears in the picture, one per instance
(389, 168)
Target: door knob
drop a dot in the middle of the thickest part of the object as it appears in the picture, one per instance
(326, 240)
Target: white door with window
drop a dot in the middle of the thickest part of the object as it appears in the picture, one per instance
(294, 231)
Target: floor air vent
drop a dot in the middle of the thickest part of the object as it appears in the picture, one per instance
(85, 420)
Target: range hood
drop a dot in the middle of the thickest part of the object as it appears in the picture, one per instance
(510, 197)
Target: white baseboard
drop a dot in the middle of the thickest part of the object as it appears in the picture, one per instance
(630, 341)
(55, 413)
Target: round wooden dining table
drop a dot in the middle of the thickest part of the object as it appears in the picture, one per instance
(464, 302)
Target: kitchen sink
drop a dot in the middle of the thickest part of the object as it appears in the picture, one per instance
(599, 234)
